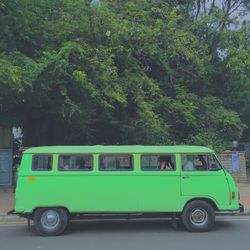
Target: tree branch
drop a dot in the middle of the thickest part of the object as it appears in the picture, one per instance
(234, 9)
(198, 8)
(204, 7)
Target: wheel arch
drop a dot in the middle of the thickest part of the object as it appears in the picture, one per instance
(207, 199)
(65, 208)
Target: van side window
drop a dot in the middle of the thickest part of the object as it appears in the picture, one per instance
(75, 162)
(42, 163)
(199, 162)
(194, 162)
(115, 162)
(213, 163)
(158, 162)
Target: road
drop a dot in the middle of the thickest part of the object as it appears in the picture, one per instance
(230, 233)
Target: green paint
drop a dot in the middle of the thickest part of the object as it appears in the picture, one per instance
(121, 191)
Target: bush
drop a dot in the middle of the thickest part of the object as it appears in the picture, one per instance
(248, 163)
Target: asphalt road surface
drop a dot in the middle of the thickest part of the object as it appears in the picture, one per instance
(230, 233)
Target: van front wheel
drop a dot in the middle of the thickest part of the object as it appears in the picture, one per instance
(198, 216)
(50, 221)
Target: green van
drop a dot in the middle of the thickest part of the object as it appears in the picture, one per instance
(59, 183)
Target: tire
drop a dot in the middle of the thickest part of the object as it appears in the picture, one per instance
(198, 216)
(50, 221)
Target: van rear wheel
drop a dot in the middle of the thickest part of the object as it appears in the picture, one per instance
(198, 216)
(50, 221)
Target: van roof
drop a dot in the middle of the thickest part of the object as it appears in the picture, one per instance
(117, 149)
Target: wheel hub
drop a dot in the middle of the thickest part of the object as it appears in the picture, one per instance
(199, 216)
(50, 219)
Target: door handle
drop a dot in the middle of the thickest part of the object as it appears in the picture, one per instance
(185, 177)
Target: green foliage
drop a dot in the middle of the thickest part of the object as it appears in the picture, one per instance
(248, 163)
(130, 72)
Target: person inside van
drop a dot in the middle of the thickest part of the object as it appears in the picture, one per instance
(212, 164)
(166, 163)
(188, 165)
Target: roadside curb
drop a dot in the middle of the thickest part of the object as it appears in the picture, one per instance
(234, 214)
(4, 219)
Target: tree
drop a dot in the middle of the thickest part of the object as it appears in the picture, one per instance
(122, 72)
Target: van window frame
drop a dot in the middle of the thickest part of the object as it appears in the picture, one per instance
(218, 160)
(75, 170)
(158, 170)
(202, 170)
(116, 170)
(42, 170)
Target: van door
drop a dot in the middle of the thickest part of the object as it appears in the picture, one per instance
(158, 182)
(202, 176)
